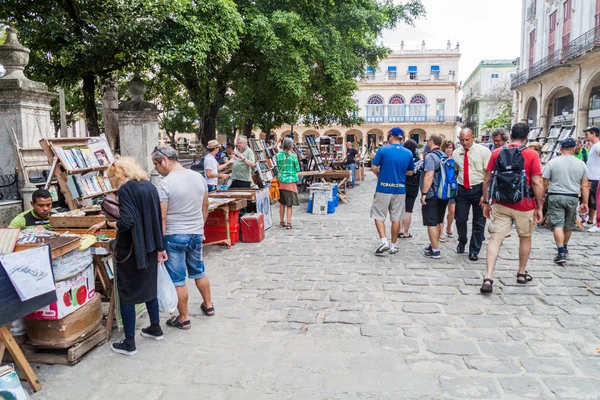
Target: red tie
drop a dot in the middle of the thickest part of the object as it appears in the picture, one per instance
(467, 179)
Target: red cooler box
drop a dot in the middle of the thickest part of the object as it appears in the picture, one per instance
(253, 227)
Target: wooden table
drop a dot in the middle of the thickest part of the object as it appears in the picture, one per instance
(7, 341)
(339, 177)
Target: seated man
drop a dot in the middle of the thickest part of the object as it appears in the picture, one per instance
(41, 201)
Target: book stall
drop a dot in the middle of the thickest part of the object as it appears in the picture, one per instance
(551, 142)
(55, 277)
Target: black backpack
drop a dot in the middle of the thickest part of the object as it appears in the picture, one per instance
(509, 181)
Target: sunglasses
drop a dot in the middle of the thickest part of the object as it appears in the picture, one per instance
(157, 149)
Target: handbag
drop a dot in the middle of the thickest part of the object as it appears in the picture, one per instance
(111, 208)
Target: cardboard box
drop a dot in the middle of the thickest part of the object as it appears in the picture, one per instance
(72, 293)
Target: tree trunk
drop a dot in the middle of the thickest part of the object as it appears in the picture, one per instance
(89, 104)
(208, 130)
(247, 130)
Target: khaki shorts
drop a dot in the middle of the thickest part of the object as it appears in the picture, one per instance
(386, 202)
(502, 218)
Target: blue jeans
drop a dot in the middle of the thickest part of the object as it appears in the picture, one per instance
(352, 167)
(212, 188)
(185, 255)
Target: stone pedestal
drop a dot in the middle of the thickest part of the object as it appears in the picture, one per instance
(583, 115)
(138, 125)
(545, 124)
(24, 105)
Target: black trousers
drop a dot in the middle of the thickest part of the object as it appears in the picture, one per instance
(465, 199)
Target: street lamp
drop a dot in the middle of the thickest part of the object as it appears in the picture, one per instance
(565, 113)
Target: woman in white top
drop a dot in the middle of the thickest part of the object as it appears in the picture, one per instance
(212, 167)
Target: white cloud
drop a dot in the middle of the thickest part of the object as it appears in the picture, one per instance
(485, 29)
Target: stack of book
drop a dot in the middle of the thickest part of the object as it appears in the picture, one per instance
(95, 154)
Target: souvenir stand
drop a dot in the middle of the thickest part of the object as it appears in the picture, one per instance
(551, 144)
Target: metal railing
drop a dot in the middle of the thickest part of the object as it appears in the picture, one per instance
(444, 119)
(9, 187)
(574, 49)
(397, 77)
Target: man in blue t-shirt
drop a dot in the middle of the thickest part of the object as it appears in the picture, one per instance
(392, 164)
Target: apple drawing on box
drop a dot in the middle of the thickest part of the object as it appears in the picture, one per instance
(67, 299)
(81, 295)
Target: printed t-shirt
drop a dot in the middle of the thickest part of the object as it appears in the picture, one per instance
(393, 160)
(532, 167)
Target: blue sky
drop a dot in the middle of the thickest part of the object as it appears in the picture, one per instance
(486, 29)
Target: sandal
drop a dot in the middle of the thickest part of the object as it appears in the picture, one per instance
(487, 287)
(176, 323)
(407, 236)
(449, 235)
(289, 226)
(442, 240)
(526, 278)
(209, 312)
(282, 224)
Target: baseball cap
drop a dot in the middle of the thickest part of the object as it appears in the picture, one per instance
(568, 143)
(396, 132)
(592, 129)
(212, 144)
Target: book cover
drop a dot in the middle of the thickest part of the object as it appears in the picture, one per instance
(79, 185)
(73, 189)
(86, 187)
(106, 155)
(89, 157)
(71, 159)
(98, 183)
(108, 184)
(102, 157)
(60, 153)
(82, 158)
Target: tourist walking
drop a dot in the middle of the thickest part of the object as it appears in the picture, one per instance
(472, 160)
(448, 148)
(184, 206)
(499, 138)
(392, 164)
(212, 166)
(350, 159)
(564, 178)
(412, 190)
(581, 152)
(241, 170)
(288, 166)
(592, 135)
(516, 198)
(138, 249)
(433, 208)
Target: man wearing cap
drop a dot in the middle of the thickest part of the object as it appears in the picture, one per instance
(564, 177)
(392, 164)
(592, 135)
(212, 167)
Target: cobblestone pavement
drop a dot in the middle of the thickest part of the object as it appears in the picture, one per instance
(311, 313)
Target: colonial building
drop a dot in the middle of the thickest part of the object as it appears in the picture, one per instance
(416, 90)
(559, 71)
(483, 90)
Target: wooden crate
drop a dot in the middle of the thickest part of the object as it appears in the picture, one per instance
(59, 245)
(76, 222)
(68, 331)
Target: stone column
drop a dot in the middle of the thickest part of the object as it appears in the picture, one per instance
(365, 142)
(24, 109)
(544, 124)
(583, 117)
(300, 137)
(138, 126)
(110, 103)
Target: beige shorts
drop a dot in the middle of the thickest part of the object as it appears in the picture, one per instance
(383, 203)
(502, 218)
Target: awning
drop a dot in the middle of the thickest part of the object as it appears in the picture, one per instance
(435, 68)
(412, 68)
(391, 69)
(370, 69)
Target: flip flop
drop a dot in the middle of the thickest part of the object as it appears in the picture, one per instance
(209, 312)
(176, 323)
(407, 236)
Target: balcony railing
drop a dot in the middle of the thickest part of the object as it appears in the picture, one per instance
(574, 49)
(395, 77)
(442, 119)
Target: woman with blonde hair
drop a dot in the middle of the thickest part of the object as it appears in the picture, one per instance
(288, 166)
(138, 249)
(447, 148)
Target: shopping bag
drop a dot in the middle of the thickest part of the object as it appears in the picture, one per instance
(166, 293)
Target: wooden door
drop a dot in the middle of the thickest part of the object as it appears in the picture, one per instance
(552, 34)
(566, 38)
(531, 47)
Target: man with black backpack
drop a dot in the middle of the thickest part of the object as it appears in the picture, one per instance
(438, 185)
(513, 184)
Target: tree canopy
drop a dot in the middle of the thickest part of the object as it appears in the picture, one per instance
(267, 62)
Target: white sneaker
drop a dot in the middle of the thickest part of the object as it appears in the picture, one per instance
(382, 249)
(394, 250)
(594, 229)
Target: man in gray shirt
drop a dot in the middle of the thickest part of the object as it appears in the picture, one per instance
(180, 192)
(564, 177)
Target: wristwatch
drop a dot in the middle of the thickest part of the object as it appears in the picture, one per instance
(486, 202)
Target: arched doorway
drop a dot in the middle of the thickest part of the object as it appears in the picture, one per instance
(374, 138)
(418, 135)
(531, 112)
(397, 109)
(354, 136)
(559, 105)
(417, 110)
(591, 98)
